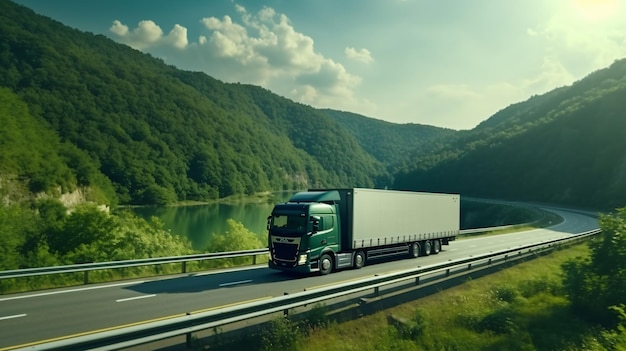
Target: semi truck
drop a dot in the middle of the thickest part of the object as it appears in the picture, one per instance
(323, 230)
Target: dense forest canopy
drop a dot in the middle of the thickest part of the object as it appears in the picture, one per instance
(100, 115)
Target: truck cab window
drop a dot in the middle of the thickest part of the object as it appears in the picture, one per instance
(289, 222)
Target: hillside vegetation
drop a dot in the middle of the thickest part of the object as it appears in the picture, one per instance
(566, 146)
(143, 132)
(161, 134)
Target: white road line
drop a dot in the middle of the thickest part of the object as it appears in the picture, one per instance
(235, 283)
(14, 316)
(135, 298)
(228, 271)
(69, 291)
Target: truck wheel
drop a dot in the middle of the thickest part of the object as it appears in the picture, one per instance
(415, 250)
(427, 247)
(359, 259)
(326, 264)
(436, 246)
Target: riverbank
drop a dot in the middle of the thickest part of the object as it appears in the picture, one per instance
(259, 198)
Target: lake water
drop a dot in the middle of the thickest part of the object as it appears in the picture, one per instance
(200, 222)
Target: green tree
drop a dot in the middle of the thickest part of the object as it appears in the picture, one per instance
(597, 285)
(236, 238)
(13, 221)
(86, 225)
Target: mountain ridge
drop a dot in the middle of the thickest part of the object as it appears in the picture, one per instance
(144, 132)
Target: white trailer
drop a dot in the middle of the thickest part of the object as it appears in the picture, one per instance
(382, 217)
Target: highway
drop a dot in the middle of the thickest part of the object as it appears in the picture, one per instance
(50, 314)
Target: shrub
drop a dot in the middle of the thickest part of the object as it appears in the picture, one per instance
(281, 334)
(501, 321)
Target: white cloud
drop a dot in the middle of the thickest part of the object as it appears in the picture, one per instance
(263, 48)
(362, 55)
(119, 29)
(178, 37)
(270, 52)
(148, 35)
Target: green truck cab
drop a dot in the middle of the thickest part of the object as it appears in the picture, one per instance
(303, 230)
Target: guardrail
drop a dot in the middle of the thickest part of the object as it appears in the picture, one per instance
(186, 325)
(87, 267)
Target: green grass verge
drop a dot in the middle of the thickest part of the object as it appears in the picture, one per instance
(520, 308)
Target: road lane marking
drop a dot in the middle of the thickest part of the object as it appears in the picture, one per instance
(13, 316)
(229, 270)
(68, 291)
(236, 283)
(135, 298)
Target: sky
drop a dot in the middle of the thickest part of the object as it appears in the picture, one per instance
(446, 63)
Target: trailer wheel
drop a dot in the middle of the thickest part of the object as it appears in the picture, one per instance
(326, 264)
(436, 246)
(415, 250)
(427, 247)
(359, 259)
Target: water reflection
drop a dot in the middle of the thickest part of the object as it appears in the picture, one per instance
(200, 222)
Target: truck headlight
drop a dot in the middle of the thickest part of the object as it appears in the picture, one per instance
(303, 258)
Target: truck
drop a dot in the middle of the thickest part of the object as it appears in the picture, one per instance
(323, 230)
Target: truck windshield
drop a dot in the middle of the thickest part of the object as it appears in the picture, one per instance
(288, 223)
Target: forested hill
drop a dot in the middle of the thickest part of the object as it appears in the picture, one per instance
(81, 110)
(157, 133)
(567, 146)
(391, 142)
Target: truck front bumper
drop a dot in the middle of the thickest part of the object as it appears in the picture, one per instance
(303, 269)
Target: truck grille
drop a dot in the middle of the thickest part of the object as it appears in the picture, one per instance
(285, 252)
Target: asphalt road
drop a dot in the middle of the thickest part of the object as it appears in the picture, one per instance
(50, 314)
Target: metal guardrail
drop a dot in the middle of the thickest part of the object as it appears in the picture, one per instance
(86, 267)
(489, 229)
(186, 325)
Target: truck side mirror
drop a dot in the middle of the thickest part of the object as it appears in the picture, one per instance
(268, 222)
(315, 221)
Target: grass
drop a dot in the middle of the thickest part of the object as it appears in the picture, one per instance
(520, 308)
